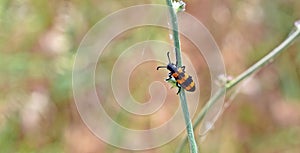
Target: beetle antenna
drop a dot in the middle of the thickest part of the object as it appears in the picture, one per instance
(168, 54)
(161, 67)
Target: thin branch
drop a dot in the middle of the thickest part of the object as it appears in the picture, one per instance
(265, 60)
(257, 66)
(183, 101)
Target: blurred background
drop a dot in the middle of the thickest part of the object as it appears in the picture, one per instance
(38, 43)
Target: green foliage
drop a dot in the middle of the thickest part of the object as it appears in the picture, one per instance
(9, 134)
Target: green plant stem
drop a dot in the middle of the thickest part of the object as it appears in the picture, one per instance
(183, 101)
(188, 123)
(265, 60)
(201, 115)
(257, 66)
(174, 23)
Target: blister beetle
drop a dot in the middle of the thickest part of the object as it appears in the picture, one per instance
(183, 80)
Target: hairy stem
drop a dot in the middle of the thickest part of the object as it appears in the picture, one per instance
(183, 101)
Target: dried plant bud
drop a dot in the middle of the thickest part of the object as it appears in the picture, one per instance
(178, 6)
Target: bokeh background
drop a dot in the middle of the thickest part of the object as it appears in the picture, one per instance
(38, 43)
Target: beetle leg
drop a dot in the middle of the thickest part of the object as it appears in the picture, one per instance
(183, 68)
(179, 88)
(170, 77)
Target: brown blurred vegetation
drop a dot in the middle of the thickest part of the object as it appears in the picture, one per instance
(38, 42)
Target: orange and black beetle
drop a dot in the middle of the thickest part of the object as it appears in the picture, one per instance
(183, 80)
